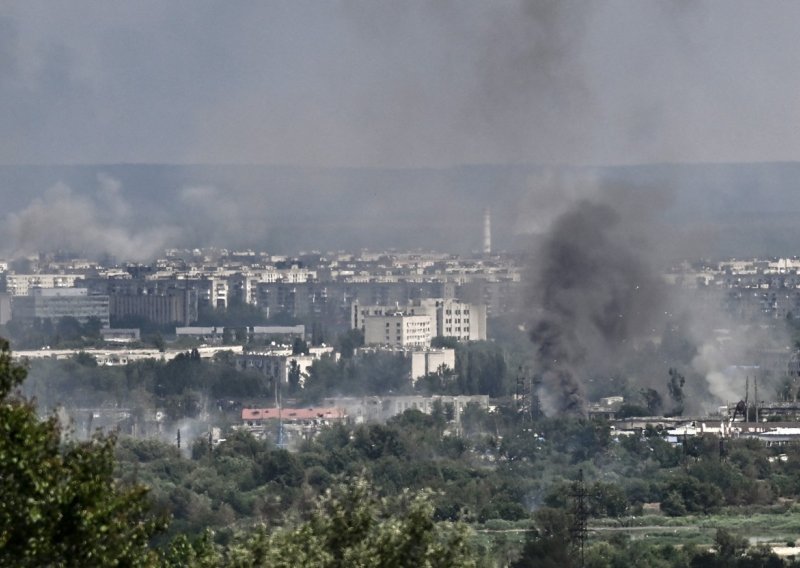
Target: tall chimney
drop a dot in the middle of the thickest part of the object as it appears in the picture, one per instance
(487, 231)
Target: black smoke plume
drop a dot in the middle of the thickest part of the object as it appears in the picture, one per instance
(594, 293)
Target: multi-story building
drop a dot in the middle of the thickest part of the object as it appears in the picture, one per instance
(431, 361)
(277, 365)
(398, 330)
(449, 317)
(173, 306)
(22, 284)
(56, 303)
(462, 321)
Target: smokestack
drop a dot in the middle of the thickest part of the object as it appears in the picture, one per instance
(487, 231)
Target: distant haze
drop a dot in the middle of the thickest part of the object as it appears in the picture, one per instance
(133, 212)
(399, 84)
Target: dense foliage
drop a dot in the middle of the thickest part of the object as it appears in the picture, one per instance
(59, 502)
(416, 480)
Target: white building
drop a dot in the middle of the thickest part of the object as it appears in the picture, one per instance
(465, 322)
(399, 330)
(382, 408)
(22, 284)
(449, 317)
(431, 361)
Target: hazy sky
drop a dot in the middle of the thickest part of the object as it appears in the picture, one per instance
(400, 83)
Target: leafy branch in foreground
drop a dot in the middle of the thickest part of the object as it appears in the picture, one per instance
(59, 502)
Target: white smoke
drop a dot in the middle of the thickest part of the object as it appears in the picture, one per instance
(91, 225)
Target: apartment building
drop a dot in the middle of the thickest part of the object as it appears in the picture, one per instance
(449, 317)
(398, 330)
(56, 303)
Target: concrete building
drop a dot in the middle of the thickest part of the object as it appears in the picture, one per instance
(295, 423)
(120, 335)
(398, 330)
(278, 364)
(449, 317)
(22, 284)
(174, 306)
(56, 303)
(382, 408)
(211, 334)
(215, 334)
(431, 361)
(462, 321)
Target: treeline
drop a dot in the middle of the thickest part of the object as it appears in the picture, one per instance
(187, 386)
(498, 467)
(361, 493)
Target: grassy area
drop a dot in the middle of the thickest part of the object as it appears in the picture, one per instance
(776, 527)
(780, 527)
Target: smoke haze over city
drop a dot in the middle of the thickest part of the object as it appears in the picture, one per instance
(619, 136)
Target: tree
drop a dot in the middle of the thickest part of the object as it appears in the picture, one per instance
(294, 376)
(299, 347)
(652, 400)
(549, 544)
(352, 526)
(59, 502)
(675, 388)
(349, 342)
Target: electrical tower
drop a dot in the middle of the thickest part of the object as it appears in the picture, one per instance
(580, 517)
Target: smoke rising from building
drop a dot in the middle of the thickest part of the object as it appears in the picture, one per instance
(600, 306)
(593, 292)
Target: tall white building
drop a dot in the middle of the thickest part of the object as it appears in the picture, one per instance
(449, 317)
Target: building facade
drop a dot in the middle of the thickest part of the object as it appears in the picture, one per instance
(431, 361)
(398, 330)
(449, 318)
(56, 303)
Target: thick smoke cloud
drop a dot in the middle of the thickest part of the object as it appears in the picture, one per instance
(594, 293)
(603, 316)
(93, 225)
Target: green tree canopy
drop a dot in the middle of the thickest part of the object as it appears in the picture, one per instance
(59, 502)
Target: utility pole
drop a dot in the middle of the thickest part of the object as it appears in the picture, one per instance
(755, 394)
(746, 399)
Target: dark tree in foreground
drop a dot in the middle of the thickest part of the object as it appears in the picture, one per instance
(59, 502)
